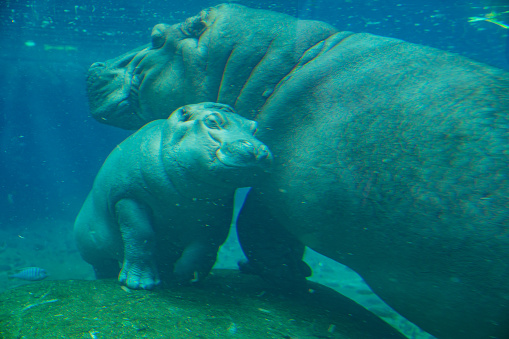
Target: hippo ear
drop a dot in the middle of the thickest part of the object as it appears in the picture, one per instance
(254, 127)
(183, 114)
(196, 25)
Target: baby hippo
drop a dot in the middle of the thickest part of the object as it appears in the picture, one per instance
(162, 201)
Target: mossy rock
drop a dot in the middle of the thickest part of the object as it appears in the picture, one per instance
(227, 304)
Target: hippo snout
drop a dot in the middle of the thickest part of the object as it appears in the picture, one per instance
(242, 153)
(263, 154)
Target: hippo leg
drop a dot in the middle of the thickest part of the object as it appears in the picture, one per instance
(272, 252)
(106, 269)
(200, 254)
(139, 269)
(195, 263)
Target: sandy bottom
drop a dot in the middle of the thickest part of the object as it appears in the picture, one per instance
(49, 244)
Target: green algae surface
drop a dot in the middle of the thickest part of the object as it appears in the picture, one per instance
(227, 304)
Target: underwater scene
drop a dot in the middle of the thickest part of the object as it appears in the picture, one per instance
(254, 169)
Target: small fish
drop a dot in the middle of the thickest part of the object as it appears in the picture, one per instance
(30, 274)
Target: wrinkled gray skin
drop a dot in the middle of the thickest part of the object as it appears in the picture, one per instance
(162, 201)
(390, 157)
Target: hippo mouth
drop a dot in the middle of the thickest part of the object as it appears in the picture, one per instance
(227, 160)
(242, 154)
(223, 156)
(218, 154)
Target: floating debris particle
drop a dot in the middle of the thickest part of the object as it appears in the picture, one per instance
(232, 329)
(64, 48)
(38, 304)
(196, 277)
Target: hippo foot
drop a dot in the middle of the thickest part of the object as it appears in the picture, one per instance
(138, 277)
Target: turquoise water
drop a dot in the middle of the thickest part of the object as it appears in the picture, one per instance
(51, 149)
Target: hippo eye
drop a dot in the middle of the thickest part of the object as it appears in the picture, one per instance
(158, 36)
(214, 121)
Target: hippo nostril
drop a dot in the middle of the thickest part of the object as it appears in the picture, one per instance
(263, 153)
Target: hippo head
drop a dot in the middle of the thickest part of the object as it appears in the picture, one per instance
(126, 91)
(210, 143)
(224, 54)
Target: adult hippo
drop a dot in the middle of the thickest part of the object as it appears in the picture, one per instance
(162, 202)
(390, 157)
